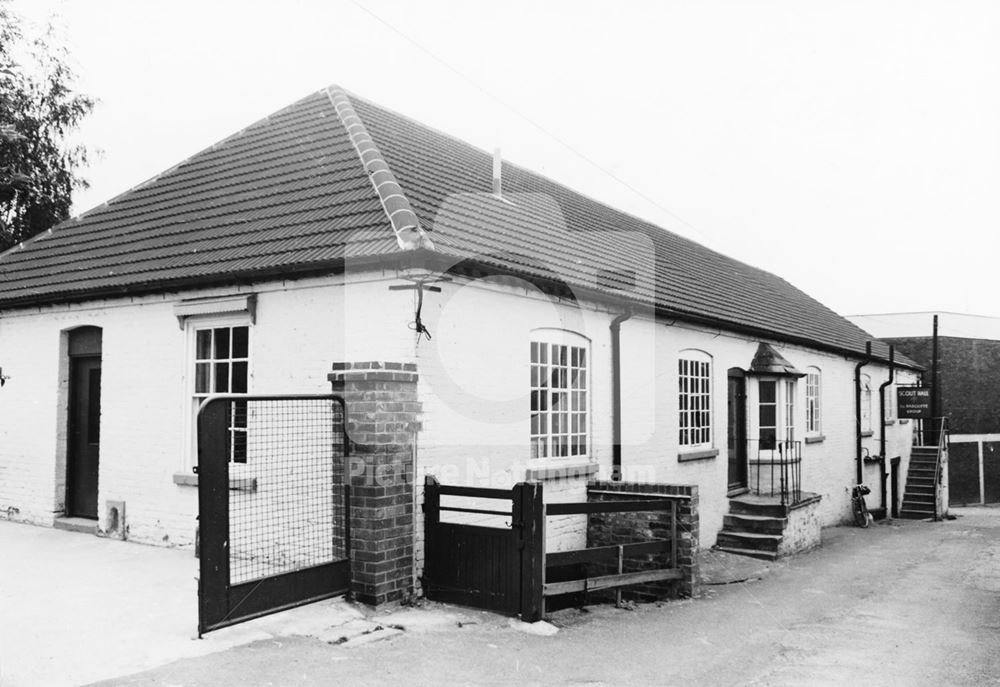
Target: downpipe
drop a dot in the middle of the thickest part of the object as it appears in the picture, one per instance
(616, 394)
(881, 404)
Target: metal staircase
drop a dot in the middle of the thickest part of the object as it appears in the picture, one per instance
(920, 496)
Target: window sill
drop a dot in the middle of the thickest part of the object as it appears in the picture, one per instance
(889, 423)
(816, 439)
(869, 433)
(248, 484)
(561, 471)
(703, 454)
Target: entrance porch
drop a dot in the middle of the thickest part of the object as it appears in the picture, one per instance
(764, 527)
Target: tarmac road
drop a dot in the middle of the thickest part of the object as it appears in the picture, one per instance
(901, 603)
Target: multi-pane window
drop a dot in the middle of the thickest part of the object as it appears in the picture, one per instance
(694, 378)
(813, 416)
(790, 388)
(558, 400)
(221, 365)
(776, 412)
(767, 413)
(866, 403)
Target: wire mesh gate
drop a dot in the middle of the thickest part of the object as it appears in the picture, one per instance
(273, 505)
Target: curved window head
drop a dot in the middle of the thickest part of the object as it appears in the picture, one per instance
(559, 394)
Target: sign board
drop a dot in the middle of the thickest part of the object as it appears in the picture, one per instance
(913, 402)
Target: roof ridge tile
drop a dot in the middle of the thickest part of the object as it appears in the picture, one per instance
(405, 224)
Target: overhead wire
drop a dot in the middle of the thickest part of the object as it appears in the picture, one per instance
(529, 120)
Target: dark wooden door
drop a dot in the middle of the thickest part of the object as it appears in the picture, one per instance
(737, 435)
(84, 436)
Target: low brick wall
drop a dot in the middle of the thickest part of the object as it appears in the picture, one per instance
(604, 529)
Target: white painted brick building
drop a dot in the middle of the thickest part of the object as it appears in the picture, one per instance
(297, 252)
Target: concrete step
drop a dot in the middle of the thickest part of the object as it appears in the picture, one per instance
(751, 553)
(749, 540)
(743, 522)
(909, 497)
(84, 525)
(913, 514)
(749, 505)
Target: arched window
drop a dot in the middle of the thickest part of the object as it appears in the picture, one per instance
(814, 388)
(694, 398)
(559, 394)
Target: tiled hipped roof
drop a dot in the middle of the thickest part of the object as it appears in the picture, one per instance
(334, 177)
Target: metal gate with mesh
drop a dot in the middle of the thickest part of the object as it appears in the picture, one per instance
(273, 505)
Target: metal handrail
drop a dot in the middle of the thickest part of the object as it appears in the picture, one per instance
(784, 458)
(941, 447)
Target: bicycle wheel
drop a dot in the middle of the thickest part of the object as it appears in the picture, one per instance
(860, 509)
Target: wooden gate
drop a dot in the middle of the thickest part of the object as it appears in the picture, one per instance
(486, 560)
(494, 557)
(273, 505)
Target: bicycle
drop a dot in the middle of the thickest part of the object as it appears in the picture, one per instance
(858, 506)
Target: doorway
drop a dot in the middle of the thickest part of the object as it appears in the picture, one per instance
(737, 434)
(84, 418)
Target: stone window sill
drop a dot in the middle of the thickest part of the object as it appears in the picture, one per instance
(816, 439)
(561, 471)
(248, 484)
(867, 434)
(703, 454)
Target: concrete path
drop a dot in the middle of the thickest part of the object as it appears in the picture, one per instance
(75, 608)
(903, 603)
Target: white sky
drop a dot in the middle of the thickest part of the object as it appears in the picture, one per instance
(852, 148)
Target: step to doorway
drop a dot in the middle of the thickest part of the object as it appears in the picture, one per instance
(84, 525)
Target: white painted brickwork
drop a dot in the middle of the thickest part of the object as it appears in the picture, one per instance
(301, 329)
(474, 380)
(474, 383)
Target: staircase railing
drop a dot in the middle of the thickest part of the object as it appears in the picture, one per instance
(777, 469)
(942, 446)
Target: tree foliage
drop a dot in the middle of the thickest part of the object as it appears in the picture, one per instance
(38, 111)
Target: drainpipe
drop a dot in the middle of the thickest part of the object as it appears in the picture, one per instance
(930, 437)
(616, 394)
(881, 405)
(857, 409)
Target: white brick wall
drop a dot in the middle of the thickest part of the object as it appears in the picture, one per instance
(473, 385)
(302, 327)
